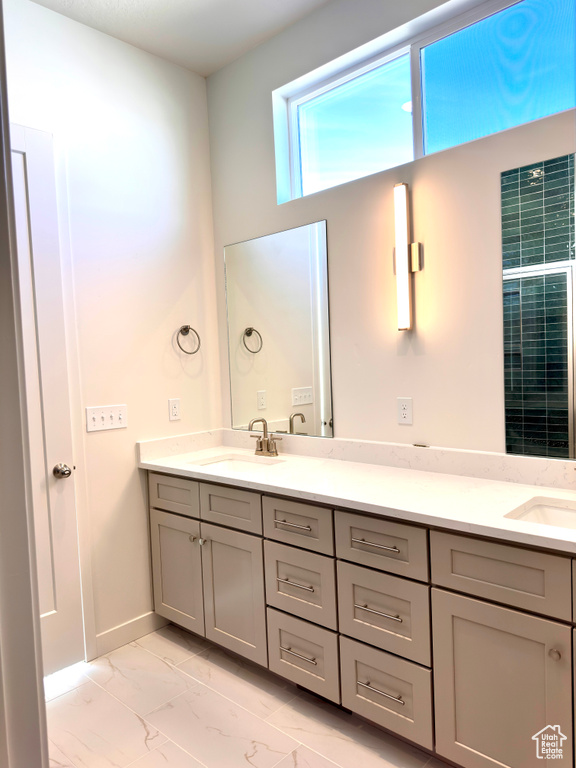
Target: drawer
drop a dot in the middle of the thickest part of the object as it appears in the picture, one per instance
(519, 577)
(174, 494)
(304, 653)
(231, 507)
(389, 691)
(300, 582)
(394, 547)
(386, 611)
(303, 525)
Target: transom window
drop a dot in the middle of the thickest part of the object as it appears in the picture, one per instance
(501, 66)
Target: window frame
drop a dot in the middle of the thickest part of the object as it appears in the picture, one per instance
(411, 38)
(319, 89)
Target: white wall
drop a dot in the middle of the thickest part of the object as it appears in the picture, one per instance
(452, 364)
(131, 138)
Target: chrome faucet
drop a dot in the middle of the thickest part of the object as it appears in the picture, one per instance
(292, 417)
(265, 445)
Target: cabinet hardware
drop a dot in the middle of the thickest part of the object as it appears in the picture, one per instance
(192, 538)
(554, 654)
(202, 542)
(378, 613)
(378, 546)
(387, 695)
(293, 525)
(294, 584)
(299, 656)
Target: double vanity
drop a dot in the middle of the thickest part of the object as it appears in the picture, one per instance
(435, 606)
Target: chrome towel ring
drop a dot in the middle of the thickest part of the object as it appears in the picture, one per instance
(184, 331)
(247, 334)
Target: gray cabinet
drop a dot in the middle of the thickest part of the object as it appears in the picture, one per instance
(302, 583)
(386, 611)
(232, 507)
(234, 605)
(177, 569)
(387, 690)
(352, 618)
(501, 677)
(210, 580)
(304, 653)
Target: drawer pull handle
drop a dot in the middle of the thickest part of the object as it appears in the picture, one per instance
(299, 656)
(294, 584)
(378, 546)
(387, 695)
(293, 525)
(378, 613)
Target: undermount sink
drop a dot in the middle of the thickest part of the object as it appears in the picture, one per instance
(545, 511)
(235, 461)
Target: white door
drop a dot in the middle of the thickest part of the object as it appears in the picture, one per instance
(48, 401)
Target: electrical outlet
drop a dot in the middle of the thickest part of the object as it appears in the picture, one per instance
(404, 410)
(261, 399)
(174, 409)
(100, 418)
(302, 396)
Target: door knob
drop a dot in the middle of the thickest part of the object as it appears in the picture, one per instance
(61, 471)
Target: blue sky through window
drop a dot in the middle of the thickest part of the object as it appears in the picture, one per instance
(513, 67)
(357, 128)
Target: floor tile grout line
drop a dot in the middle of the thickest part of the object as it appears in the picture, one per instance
(168, 741)
(197, 683)
(135, 642)
(72, 763)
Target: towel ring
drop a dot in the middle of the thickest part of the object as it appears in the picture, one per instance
(184, 331)
(247, 333)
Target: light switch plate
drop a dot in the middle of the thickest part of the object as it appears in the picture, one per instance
(103, 417)
(302, 396)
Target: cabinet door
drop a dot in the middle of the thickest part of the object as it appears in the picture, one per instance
(177, 569)
(233, 570)
(501, 678)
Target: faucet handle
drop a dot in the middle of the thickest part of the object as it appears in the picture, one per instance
(272, 447)
(258, 444)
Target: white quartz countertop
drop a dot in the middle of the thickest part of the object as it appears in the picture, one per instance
(452, 502)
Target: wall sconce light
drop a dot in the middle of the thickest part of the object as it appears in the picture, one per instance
(407, 257)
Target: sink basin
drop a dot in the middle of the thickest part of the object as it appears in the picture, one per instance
(235, 461)
(545, 511)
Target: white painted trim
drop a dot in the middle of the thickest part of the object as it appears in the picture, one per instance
(74, 378)
(23, 736)
(127, 632)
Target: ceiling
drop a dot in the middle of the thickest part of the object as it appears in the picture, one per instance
(201, 35)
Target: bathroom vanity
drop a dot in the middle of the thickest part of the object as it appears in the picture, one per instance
(437, 617)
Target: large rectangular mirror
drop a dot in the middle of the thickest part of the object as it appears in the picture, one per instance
(278, 331)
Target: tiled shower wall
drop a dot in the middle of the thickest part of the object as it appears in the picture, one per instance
(538, 231)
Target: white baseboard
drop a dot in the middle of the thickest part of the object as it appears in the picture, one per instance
(127, 632)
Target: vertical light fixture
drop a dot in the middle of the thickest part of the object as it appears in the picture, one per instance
(407, 257)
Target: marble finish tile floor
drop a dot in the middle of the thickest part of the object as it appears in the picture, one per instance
(172, 700)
